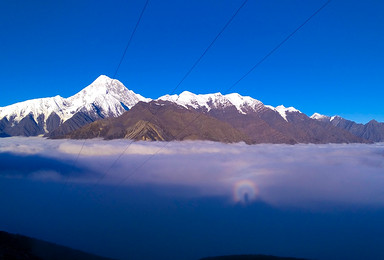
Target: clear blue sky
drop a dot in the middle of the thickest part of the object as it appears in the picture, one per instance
(333, 65)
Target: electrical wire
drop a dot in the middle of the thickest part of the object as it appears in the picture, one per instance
(281, 43)
(114, 75)
(182, 80)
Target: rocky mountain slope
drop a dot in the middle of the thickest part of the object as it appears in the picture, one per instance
(161, 121)
(372, 131)
(166, 121)
(263, 123)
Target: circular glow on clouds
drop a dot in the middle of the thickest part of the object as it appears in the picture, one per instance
(245, 191)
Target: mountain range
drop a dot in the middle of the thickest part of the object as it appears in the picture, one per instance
(107, 109)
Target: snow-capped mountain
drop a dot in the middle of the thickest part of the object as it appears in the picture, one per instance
(105, 97)
(108, 97)
(372, 131)
(325, 118)
(261, 123)
(207, 102)
(213, 101)
(283, 111)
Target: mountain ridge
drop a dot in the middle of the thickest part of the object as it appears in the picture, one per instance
(57, 117)
(161, 121)
(373, 130)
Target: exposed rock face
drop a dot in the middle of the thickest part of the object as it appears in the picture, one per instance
(146, 131)
(25, 127)
(372, 131)
(166, 121)
(75, 122)
(350, 126)
(53, 122)
(251, 124)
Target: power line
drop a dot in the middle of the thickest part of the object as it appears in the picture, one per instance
(121, 60)
(278, 46)
(114, 75)
(233, 85)
(209, 46)
(182, 79)
(130, 39)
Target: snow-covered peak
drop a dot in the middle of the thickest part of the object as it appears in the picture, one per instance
(108, 94)
(35, 107)
(189, 99)
(282, 110)
(105, 97)
(243, 102)
(210, 101)
(287, 109)
(102, 80)
(320, 117)
(336, 118)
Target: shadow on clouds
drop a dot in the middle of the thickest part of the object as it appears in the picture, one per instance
(37, 166)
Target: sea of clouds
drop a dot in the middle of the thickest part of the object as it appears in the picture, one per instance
(303, 175)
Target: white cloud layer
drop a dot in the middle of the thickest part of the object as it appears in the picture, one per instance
(280, 175)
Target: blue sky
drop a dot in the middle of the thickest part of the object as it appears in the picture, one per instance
(333, 65)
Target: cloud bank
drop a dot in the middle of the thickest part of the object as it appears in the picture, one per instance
(280, 175)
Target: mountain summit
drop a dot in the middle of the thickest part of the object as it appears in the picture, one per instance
(104, 97)
(206, 102)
